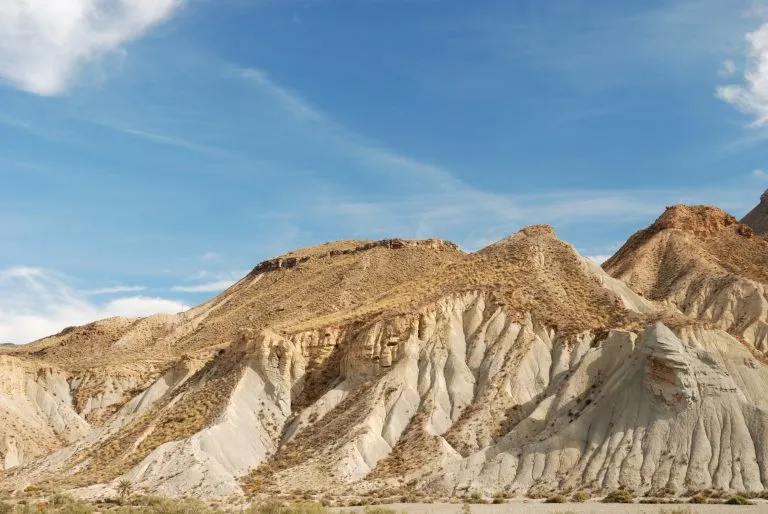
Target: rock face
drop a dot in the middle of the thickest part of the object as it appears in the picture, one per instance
(757, 218)
(36, 406)
(360, 366)
(662, 412)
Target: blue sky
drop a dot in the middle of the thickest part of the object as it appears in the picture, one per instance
(153, 151)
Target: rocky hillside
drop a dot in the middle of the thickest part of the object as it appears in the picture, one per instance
(366, 366)
(757, 219)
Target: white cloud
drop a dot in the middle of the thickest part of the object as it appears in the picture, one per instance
(208, 287)
(45, 44)
(210, 256)
(727, 68)
(35, 303)
(751, 97)
(760, 174)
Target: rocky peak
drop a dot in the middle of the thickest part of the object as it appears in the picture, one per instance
(757, 219)
(700, 220)
(532, 231)
(538, 231)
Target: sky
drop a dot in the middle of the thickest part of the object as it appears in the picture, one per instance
(153, 151)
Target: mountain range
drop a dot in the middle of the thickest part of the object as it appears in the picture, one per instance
(413, 367)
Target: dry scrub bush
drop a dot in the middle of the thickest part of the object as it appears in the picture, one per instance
(556, 498)
(619, 496)
(580, 496)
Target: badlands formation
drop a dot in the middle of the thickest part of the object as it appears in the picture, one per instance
(414, 367)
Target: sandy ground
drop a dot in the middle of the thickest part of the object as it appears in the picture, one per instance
(576, 508)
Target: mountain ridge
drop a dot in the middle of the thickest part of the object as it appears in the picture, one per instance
(360, 366)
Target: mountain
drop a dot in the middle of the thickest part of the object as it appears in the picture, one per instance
(757, 218)
(394, 367)
(703, 262)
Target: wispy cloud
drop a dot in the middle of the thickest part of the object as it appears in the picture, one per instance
(292, 102)
(208, 287)
(727, 68)
(209, 281)
(114, 290)
(36, 302)
(751, 97)
(162, 139)
(44, 46)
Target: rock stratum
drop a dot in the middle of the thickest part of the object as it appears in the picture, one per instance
(412, 366)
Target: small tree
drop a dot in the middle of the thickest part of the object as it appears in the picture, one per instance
(124, 489)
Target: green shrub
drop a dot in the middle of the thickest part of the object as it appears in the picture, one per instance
(619, 496)
(556, 498)
(697, 499)
(738, 500)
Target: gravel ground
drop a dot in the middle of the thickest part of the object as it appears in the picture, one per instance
(576, 508)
